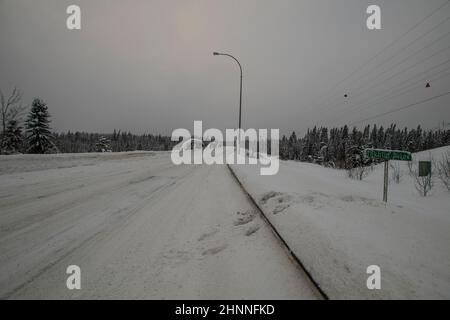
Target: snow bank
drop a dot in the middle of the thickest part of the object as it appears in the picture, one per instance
(338, 227)
(35, 162)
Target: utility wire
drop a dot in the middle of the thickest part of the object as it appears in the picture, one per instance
(404, 70)
(401, 108)
(360, 67)
(404, 60)
(415, 87)
(413, 54)
(366, 101)
(396, 94)
(406, 47)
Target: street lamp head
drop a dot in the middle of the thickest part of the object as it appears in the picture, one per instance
(216, 53)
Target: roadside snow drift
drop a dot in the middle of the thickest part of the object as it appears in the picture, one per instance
(338, 227)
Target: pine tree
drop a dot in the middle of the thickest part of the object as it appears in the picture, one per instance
(284, 148)
(293, 153)
(102, 145)
(39, 137)
(366, 135)
(343, 146)
(324, 136)
(12, 139)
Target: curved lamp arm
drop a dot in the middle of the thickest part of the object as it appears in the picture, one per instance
(240, 94)
(229, 55)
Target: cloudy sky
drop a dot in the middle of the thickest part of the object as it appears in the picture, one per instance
(147, 65)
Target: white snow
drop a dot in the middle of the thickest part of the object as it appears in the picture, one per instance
(33, 162)
(338, 227)
(138, 227)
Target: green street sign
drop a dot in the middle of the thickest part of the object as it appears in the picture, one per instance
(388, 154)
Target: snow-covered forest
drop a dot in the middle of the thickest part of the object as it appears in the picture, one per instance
(336, 147)
(76, 142)
(31, 132)
(343, 147)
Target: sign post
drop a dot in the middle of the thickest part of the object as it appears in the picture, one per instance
(387, 155)
(386, 180)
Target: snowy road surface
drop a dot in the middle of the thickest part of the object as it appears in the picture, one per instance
(138, 227)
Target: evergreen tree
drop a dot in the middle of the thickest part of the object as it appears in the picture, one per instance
(366, 135)
(284, 148)
(337, 147)
(12, 139)
(102, 145)
(293, 152)
(381, 137)
(39, 137)
(344, 143)
(324, 135)
(374, 137)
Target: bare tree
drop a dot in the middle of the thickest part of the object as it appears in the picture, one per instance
(396, 171)
(411, 165)
(443, 167)
(423, 184)
(359, 172)
(11, 108)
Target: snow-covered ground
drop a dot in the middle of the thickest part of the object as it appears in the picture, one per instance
(34, 162)
(338, 227)
(138, 227)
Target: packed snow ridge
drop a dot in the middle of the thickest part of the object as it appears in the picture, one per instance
(338, 227)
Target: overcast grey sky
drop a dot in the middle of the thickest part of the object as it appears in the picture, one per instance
(147, 66)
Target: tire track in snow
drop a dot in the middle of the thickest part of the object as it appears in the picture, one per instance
(53, 249)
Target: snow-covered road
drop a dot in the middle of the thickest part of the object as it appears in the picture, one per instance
(138, 227)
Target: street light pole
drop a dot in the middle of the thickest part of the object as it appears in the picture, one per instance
(240, 93)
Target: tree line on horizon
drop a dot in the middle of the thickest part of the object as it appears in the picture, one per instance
(80, 142)
(343, 147)
(340, 147)
(33, 135)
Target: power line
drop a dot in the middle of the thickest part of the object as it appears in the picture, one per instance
(407, 46)
(413, 54)
(401, 108)
(393, 90)
(405, 69)
(360, 67)
(385, 98)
